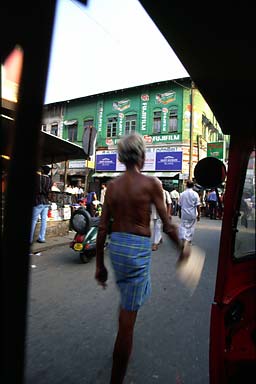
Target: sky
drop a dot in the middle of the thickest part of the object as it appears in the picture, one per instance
(104, 46)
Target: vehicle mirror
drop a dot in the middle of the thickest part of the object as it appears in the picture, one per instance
(210, 172)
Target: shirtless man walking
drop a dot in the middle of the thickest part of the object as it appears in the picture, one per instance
(128, 203)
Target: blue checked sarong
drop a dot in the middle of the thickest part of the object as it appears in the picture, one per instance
(131, 258)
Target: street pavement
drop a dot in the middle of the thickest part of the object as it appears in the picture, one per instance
(72, 322)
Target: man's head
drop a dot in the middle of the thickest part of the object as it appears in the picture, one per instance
(190, 184)
(131, 150)
(82, 202)
(45, 169)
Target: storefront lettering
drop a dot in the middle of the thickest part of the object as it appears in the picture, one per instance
(120, 124)
(161, 138)
(164, 110)
(144, 116)
(100, 118)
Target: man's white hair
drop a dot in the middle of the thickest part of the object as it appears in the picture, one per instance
(131, 149)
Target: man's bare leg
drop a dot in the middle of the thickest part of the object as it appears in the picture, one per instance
(123, 345)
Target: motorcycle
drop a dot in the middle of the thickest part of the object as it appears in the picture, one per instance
(86, 228)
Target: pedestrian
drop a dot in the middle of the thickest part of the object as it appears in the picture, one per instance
(55, 187)
(175, 198)
(220, 206)
(128, 203)
(82, 202)
(41, 206)
(68, 189)
(92, 203)
(189, 203)
(157, 223)
(80, 192)
(102, 193)
(212, 201)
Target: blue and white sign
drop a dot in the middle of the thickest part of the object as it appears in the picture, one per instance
(155, 161)
(168, 161)
(106, 162)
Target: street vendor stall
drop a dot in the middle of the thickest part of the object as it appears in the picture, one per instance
(52, 149)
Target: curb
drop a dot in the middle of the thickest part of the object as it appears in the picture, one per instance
(45, 247)
(51, 243)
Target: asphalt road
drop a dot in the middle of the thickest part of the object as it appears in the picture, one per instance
(72, 322)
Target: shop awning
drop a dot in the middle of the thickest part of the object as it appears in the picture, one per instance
(106, 174)
(70, 122)
(161, 174)
(156, 174)
(54, 149)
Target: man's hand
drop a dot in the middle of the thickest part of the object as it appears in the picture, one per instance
(184, 255)
(101, 275)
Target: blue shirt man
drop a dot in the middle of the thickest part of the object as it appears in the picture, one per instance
(212, 200)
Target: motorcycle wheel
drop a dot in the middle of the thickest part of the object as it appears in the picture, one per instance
(84, 258)
(80, 221)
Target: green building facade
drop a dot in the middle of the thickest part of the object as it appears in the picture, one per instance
(154, 110)
(164, 113)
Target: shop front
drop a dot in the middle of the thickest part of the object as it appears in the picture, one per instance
(164, 164)
(53, 150)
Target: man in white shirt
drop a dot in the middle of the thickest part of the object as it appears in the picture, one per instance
(175, 198)
(157, 223)
(102, 193)
(190, 212)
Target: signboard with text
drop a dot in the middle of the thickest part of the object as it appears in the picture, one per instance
(106, 162)
(155, 161)
(216, 149)
(168, 161)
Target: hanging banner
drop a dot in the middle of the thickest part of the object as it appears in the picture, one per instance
(144, 107)
(216, 149)
(154, 161)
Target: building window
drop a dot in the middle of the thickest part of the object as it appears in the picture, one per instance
(173, 120)
(204, 132)
(72, 132)
(44, 127)
(88, 123)
(54, 129)
(112, 127)
(130, 124)
(157, 122)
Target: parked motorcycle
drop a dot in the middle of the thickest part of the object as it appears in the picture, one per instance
(86, 228)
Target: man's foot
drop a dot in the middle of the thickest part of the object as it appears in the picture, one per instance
(154, 247)
(41, 241)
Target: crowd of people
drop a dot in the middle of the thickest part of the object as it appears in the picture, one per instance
(212, 204)
(189, 205)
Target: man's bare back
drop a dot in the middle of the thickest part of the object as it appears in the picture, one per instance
(128, 202)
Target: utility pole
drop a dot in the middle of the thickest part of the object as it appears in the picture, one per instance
(88, 146)
(191, 131)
